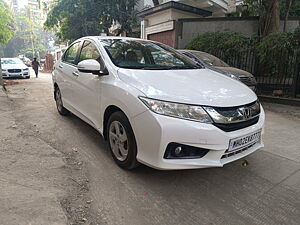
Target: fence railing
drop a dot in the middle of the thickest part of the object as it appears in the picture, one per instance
(279, 74)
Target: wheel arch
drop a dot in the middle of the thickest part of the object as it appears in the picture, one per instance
(55, 85)
(107, 113)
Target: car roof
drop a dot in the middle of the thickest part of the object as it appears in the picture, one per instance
(191, 51)
(10, 58)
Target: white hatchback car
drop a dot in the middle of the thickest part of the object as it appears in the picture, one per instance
(155, 106)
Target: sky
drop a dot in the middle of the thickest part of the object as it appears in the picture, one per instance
(22, 3)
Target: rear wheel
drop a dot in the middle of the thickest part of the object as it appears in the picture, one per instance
(122, 141)
(59, 104)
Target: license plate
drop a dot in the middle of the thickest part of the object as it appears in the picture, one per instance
(244, 141)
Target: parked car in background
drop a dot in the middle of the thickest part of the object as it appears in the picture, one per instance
(217, 64)
(14, 68)
(156, 106)
(25, 60)
(42, 63)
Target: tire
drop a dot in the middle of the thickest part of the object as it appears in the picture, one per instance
(27, 78)
(121, 141)
(59, 104)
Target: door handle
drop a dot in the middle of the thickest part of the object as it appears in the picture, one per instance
(75, 74)
(60, 66)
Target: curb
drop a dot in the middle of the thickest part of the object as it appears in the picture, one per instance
(280, 100)
(2, 92)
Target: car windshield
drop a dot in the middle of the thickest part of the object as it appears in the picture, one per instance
(210, 59)
(11, 61)
(139, 54)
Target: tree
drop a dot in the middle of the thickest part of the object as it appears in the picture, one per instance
(29, 37)
(252, 8)
(6, 32)
(294, 9)
(72, 19)
(269, 17)
(288, 5)
(125, 14)
(258, 8)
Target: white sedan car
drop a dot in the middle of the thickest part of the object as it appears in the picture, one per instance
(14, 68)
(156, 106)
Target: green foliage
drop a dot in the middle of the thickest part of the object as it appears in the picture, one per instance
(228, 42)
(296, 34)
(253, 7)
(28, 33)
(72, 19)
(272, 51)
(294, 10)
(276, 50)
(6, 22)
(276, 43)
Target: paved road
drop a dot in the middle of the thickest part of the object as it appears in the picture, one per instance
(267, 191)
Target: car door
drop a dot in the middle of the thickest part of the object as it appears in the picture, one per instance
(87, 87)
(67, 68)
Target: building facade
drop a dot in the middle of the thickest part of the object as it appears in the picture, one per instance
(218, 8)
(175, 23)
(161, 23)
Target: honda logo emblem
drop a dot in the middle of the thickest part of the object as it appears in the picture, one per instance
(245, 111)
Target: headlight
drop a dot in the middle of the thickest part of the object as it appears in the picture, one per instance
(3, 70)
(25, 69)
(233, 76)
(182, 111)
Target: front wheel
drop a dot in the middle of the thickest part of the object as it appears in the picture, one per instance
(122, 141)
(59, 104)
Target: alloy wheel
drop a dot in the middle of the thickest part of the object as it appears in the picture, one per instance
(59, 103)
(118, 140)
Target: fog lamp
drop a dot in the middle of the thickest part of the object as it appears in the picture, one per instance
(180, 151)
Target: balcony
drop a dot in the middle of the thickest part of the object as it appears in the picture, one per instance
(218, 7)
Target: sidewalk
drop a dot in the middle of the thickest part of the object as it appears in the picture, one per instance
(32, 174)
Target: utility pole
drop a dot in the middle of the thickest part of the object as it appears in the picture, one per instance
(1, 78)
(31, 32)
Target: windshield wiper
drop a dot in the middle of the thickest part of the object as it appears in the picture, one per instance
(179, 68)
(152, 68)
(161, 68)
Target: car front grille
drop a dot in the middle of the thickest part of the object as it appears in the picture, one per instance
(237, 126)
(247, 80)
(238, 151)
(14, 71)
(238, 120)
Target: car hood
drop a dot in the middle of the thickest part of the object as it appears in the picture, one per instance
(198, 86)
(13, 66)
(235, 71)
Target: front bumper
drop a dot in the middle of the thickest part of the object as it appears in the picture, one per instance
(154, 132)
(22, 74)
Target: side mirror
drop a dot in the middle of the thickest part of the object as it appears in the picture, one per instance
(92, 66)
